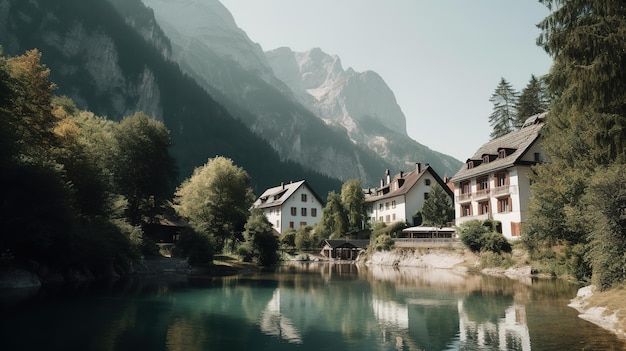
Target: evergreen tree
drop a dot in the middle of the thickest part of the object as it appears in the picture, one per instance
(532, 100)
(437, 209)
(504, 114)
(586, 127)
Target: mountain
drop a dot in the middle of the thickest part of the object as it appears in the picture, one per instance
(295, 103)
(116, 65)
(360, 102)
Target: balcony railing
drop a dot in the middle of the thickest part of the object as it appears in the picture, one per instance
(485, 193)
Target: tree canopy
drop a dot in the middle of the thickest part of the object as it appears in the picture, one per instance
(585, 130)
(437, 210)
(216, 200)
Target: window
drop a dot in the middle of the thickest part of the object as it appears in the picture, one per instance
(293, 211)
(427, 182)
(470, 164)
(314, 212)
(380, 219)
(303, 211)
(303, 224)
(502, 153)
(504, 205)
(278, 224)
(386, 205)
(393, 217)
(387, 218)
(486, 159)
(425, 196)
(303, 197)
(483, 183)
(502, 179)
(393, 204)
(380, 207)
(483, 207)
(516, 228)
(291, 225)
(537, 157)
(466, 210)
(465, 187)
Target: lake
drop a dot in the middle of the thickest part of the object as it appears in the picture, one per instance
(305, 306)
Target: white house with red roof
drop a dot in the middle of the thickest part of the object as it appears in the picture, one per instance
(398, 198)
(494, 182)
(290, 206)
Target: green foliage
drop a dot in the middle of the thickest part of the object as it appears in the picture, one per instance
(196, 247)
(533, 100)
(583, 138)
(305, 238)
(216, 199)
(287, 239)
(504, 115)
(393, 230)
(260, 238)
(144, 170)
(353, 202)
(382, 242)
(437, 207)
(606, 214)
(334, 221)
(479, 236)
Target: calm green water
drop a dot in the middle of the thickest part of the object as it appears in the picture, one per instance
(306, 307)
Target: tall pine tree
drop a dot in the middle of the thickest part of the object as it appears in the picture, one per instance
(504, 115)
(533, 100)
(585, 133)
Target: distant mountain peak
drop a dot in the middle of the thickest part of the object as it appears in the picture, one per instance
(337, 95)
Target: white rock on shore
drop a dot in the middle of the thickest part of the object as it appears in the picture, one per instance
(596, 315)
(425, 258)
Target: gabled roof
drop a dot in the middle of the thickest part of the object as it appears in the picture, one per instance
(515, 144)
(277, 195)
(349, 243)
(408, 180)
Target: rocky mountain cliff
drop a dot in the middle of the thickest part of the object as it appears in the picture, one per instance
(117, 65)
(312, 111)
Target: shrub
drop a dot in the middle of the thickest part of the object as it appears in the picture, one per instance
(196, 247)
(470, 233)
(382, 242)
(494, 242)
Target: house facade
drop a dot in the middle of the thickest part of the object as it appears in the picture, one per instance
(290, 206)
(398, 198)
(494, 183)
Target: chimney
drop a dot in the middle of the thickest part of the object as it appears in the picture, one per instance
(446, 179)
(388, 176)
(382, 183)
(401, 174)
(418, 167)
(282, 185)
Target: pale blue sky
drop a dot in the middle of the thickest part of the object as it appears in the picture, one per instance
(442, 59)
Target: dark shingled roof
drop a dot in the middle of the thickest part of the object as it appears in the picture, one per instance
(519, 141)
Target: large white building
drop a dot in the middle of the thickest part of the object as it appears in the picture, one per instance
(398, 198)
(494, 182)
(290, 206)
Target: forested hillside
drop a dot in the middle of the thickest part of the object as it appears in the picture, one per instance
(107, 67)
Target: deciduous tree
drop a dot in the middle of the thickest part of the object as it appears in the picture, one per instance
(216, 200)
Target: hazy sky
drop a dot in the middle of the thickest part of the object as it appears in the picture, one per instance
(442, 59)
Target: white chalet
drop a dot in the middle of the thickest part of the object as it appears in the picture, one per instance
(494, 182)
(289, 206)
(397, 199)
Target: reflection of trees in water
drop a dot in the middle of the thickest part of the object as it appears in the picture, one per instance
(482, 306)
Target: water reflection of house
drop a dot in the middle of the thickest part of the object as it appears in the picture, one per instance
(508, 333)
(275, 323)
(344, 249)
